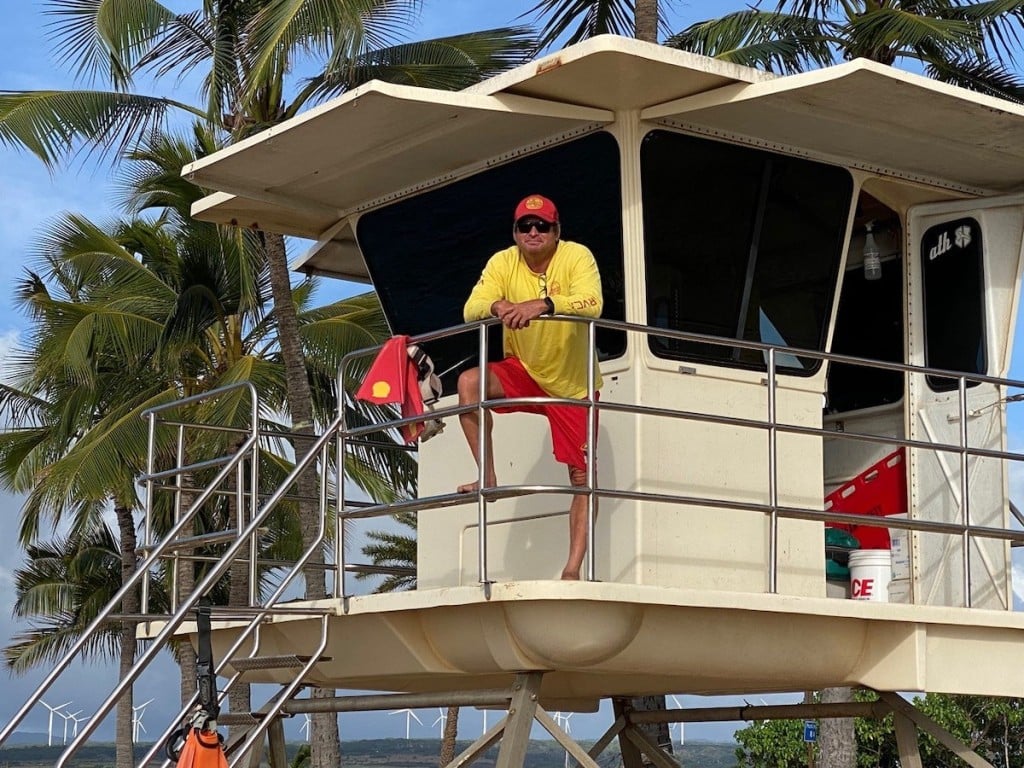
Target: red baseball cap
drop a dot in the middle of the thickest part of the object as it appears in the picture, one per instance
(539, 206)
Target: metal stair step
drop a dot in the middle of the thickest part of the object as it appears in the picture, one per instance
(287, 661)
(198, 541)
(239, 718)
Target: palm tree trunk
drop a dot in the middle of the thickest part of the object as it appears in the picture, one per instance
(836, 738)
(646, 21)
(324, 738)
(451, 733)
(656, 732)
(185, 578)
(124, 754)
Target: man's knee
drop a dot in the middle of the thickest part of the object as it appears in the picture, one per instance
(577, 476)
(469, 386)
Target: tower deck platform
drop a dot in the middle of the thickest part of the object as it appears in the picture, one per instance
(598, 640)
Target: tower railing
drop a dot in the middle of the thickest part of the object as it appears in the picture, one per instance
(770, 425)
(232, 479)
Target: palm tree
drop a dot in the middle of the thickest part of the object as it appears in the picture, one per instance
(249, 50)
(140, 312)
(66, 390)
(641, 19)
(963, 42)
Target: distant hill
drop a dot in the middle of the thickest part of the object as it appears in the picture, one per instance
(30, 737)
(376, 753)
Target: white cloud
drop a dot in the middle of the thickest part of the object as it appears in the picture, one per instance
(8, 340)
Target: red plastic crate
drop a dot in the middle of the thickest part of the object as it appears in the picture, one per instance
(880, 490)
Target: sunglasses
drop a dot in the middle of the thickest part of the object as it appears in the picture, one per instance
(525, 225)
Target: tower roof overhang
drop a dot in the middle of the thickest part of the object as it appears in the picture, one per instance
(313, 174)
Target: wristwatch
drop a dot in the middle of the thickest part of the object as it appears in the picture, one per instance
(550, 304)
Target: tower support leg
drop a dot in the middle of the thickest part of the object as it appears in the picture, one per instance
(275, 744)
(901, 707)
(631, 757)
(521, 711)
(906, 741)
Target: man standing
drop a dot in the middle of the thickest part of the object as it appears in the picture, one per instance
(539, 275)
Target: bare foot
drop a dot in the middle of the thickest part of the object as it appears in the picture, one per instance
(570, 576)
(475, 486)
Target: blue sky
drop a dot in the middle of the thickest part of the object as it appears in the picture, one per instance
(32, 196)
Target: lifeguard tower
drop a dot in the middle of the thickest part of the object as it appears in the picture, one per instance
(811, 286)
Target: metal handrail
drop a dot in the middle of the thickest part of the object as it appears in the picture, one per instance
(338, 432)
(770, 425)
(115, 601)
(211, 578)
(178, 473)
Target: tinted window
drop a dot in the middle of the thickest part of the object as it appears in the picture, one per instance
(954, 317)
(869, 324)
(425, 253)
(741, 244)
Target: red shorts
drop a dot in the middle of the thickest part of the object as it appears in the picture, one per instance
(568, 422)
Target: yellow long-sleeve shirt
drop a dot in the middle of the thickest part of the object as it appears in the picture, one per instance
(554, 353)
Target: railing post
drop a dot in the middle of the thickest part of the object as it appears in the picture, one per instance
(339, 471)
(147, 526)
(773, 486)
(965, 501)
(179, 490)
(481, 443)
(591, 449)
(339, 517)
(254, 500)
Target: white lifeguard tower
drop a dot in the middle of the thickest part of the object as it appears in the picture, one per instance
(760, 239)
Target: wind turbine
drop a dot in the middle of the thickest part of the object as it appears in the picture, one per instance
(306, 725)
(67, 719)
(409, 717)
(76, 719)
(562, 720)
(137, 726)
(442, 718)
(49, 727)
(681, 724)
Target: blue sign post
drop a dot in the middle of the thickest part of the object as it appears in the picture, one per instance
(810, 731)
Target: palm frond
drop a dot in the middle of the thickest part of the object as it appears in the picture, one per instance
(883, 33)
(981, 76)
(105, 37)
(152, 180)
(337, 31)
(450, 63)
(54, 125)
(392, 549)
(590, 17)
(185, 44)
(815, 9)
(61, 588)
(777, 42)
(1000, 22)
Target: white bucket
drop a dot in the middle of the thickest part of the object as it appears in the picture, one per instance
(870, 572)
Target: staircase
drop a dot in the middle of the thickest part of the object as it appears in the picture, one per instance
(235, 485)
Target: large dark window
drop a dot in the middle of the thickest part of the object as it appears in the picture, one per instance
(869, 324)
(954, 315)
(425, 253)
(740, 244)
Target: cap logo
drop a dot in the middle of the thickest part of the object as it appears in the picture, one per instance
(533, 203)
